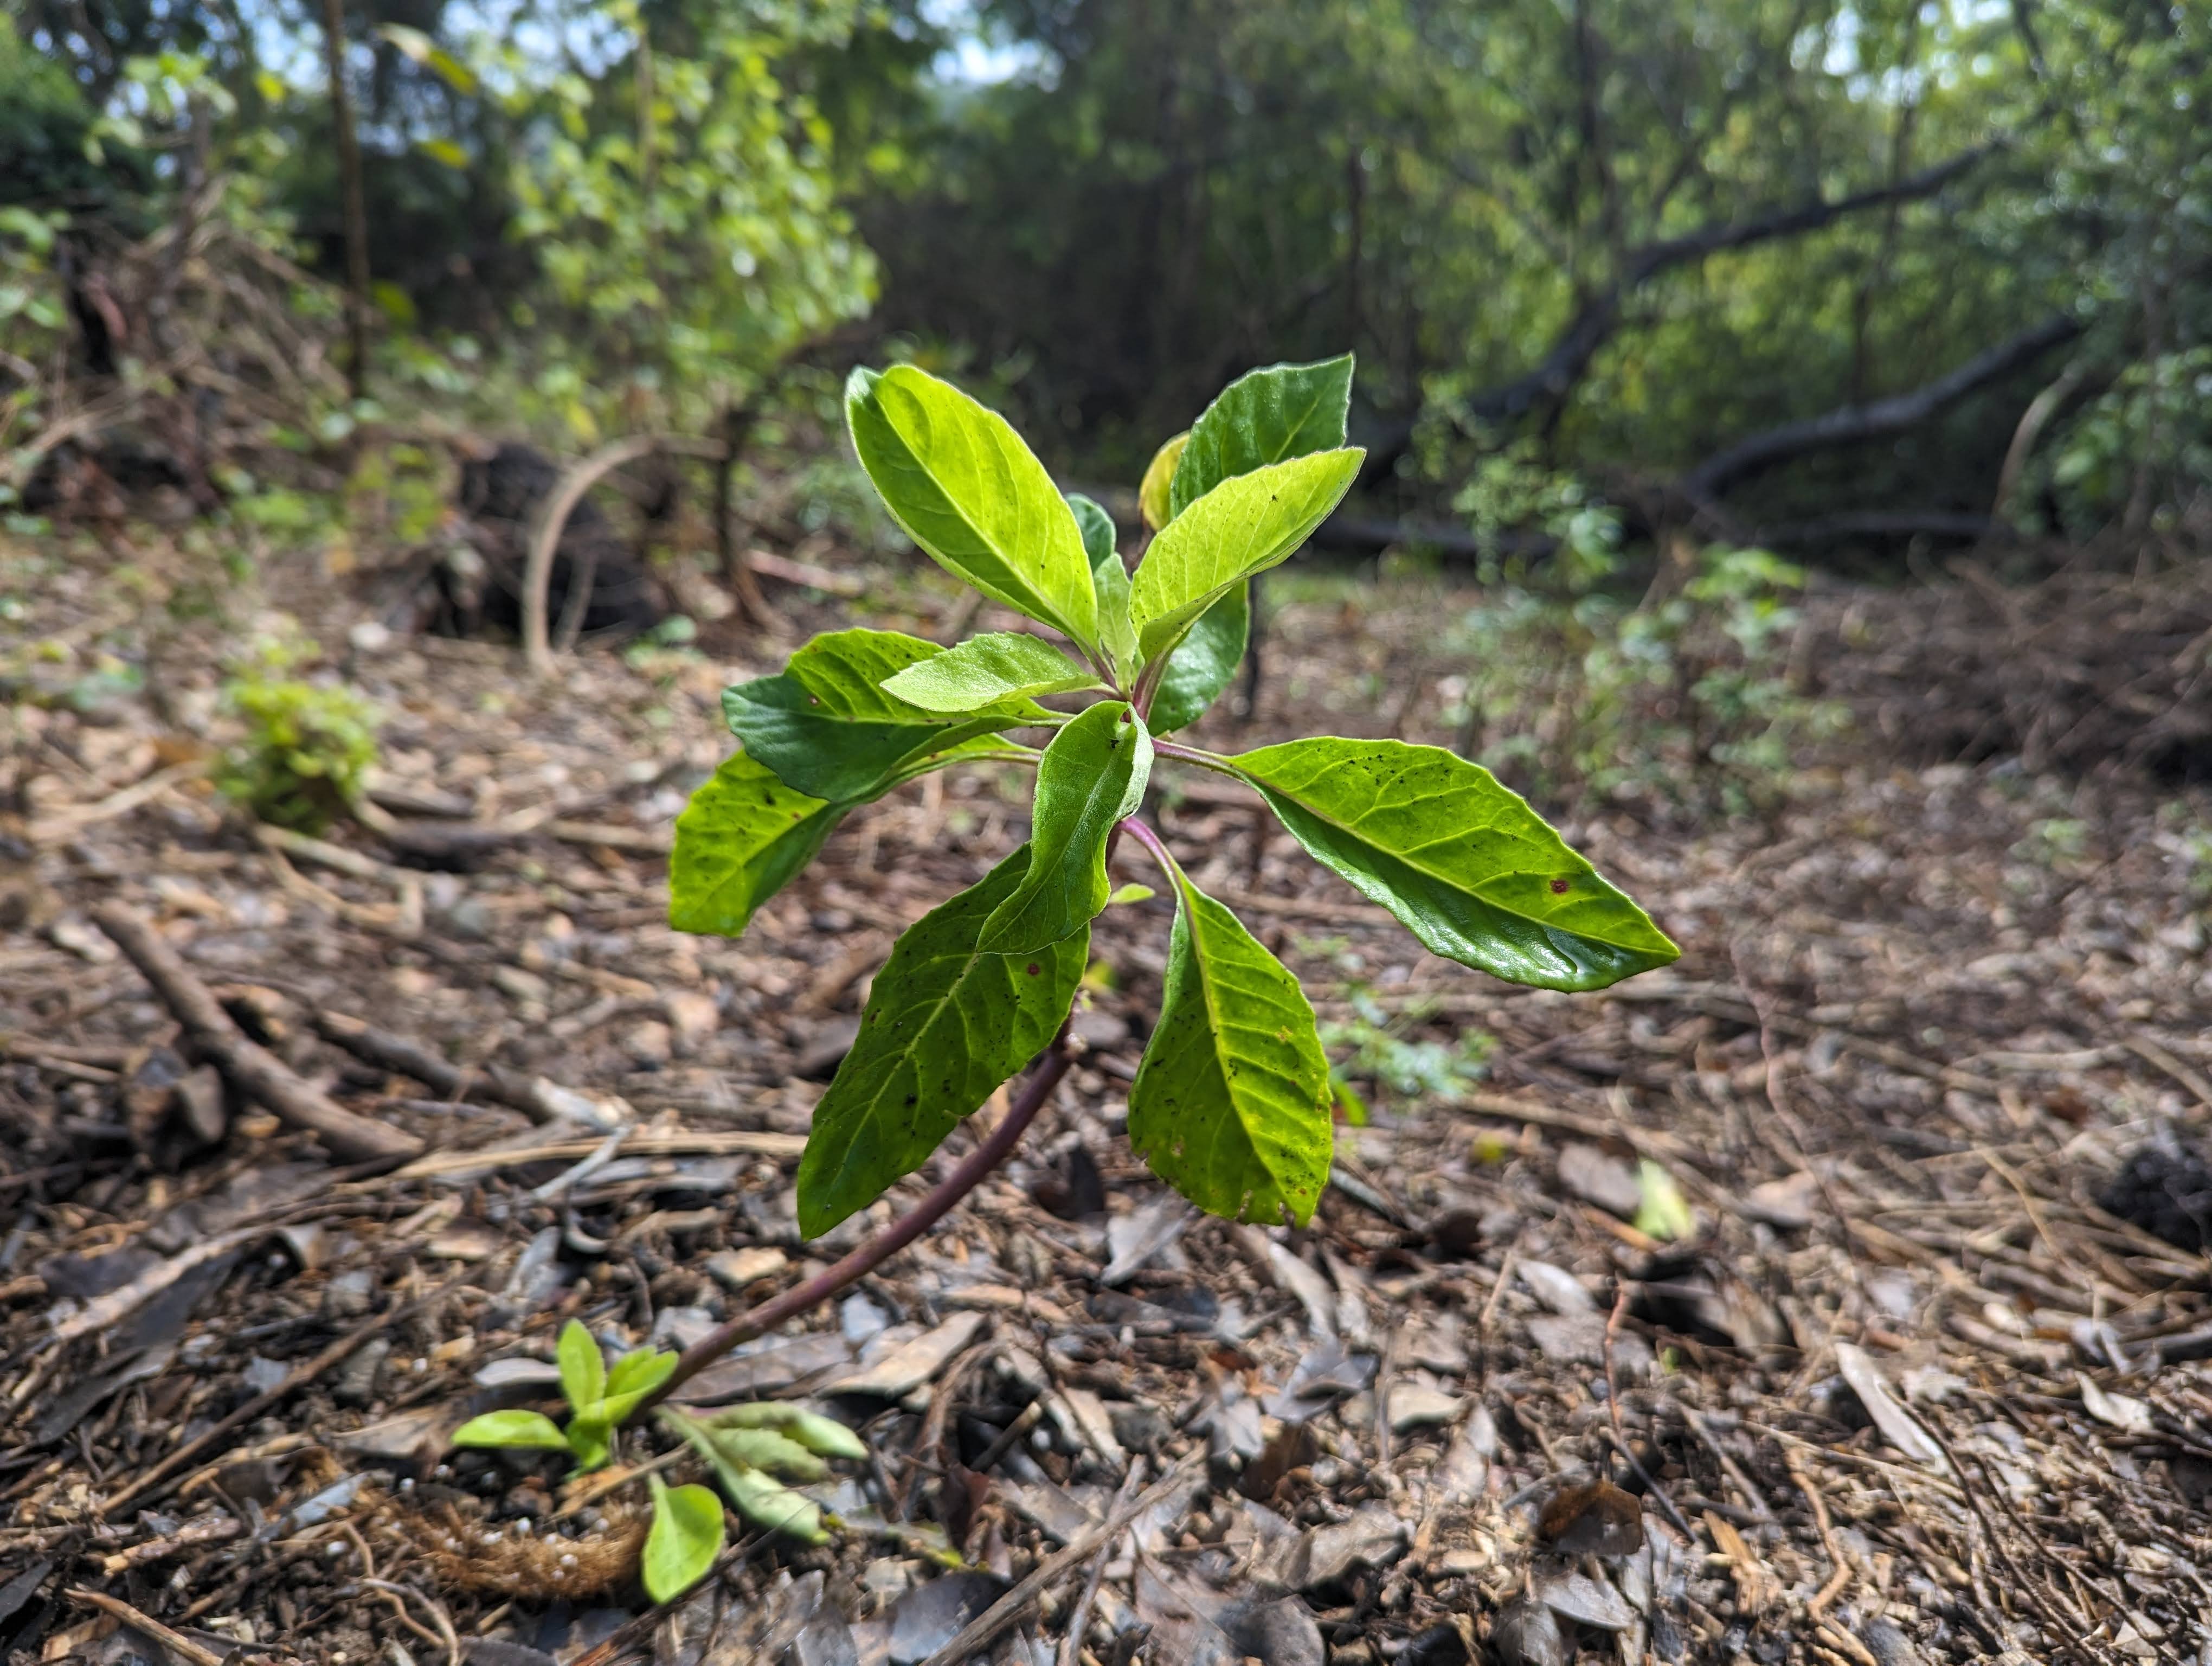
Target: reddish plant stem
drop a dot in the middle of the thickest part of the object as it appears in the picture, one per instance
(1044, 1076)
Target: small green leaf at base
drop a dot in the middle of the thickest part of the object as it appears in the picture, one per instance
(530, 1429)
(1109, 582)
(1091, 775)
(759, 1498)
(685, 1540)
(1230, 1103)
(583, 1368)
(741, 839)
(816, 1432)
(945, 1023)
(1463, 862)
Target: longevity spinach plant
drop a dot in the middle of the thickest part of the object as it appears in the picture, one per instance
(745, 1446)
(1231, 1104)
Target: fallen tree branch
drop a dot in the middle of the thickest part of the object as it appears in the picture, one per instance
(251, 1068)
(553, 520)
(1851, 425)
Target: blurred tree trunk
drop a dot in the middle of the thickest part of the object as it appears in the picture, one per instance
(356, 206)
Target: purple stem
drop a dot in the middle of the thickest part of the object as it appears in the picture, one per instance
(1044, 1076)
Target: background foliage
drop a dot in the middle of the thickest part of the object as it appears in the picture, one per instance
(1701, 264)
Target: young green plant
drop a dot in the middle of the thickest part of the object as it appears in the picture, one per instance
(1231, 1104)
(747, 1447)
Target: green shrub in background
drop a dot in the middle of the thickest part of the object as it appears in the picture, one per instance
(1689, 700)
(304, 757)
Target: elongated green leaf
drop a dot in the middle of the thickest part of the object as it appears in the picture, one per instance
(640, 1372)
(812, 1430)
(760, 1499)
(1091, 775)
(740, 840)
(1230, 1103)
(1244, 525)
(1109, 581)
(826, 726)
(1204, 663)
(583, 1370)
(1153, 493)
(685, 1540)
(945, 1024)
(989, 672)
(770, 1450)
(1463, 862)
(531, 1429)
(1264, 417)
(967, 490)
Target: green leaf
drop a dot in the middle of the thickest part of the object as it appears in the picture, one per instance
(1109, 582)
(1204, 663)
(771, 1450)
(685, 1540)
(1153, 500)
(826, 726)
(740, 840)
(1125, 895)
(1464, 863)
(1264, 417)
(591, 1438)
(533, 1429)
(1091, 775)
(764, 1501)
(966, 488)
(1661, 1211)
(640, 1372)
(635, 1376)
(1242, 526)
(1230, 1103)
(945, 1024)
(583, 1370)
(989, 671)
(817, 1433)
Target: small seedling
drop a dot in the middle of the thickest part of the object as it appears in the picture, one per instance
(1231, 1103)
(599, 1400)
(746, 1446)
(306, 753)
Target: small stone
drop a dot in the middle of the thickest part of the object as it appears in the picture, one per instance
(348, 1294)
(356, 1383)
(1578, 1339)
(1417, 1405)
(263, 1375)
(1372, 1537)
(520, 986)
(1597, 1178)
(1787, 1204)
(1556, 1288)
(1098, 1030)
(1141, 1428)
(737, 1268)
(651, 1044)
(693, 1016)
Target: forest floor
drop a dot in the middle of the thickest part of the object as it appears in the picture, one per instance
(1907, 1392)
